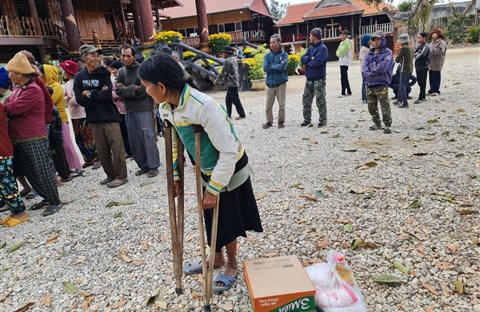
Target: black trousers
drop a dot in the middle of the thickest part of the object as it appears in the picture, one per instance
(435, 80)
(344, 78)
(233, 98)
(422, 81)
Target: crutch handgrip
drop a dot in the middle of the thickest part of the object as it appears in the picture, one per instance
(197, 128)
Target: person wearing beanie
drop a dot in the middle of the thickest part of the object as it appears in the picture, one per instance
(344, 54)
(83, 133)
(93, 90)
(438, 49)
(229, 77)
(422, 62)
(405, 58)
(140, 109)
(315, 59)
(25, 109)
(377, 70)
(113, 68)
(4, 85)
(366, 42)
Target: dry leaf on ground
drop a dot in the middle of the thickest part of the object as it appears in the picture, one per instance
(430, 289)
(324, 244)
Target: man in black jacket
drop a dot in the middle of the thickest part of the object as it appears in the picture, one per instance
(422, 62)
(93, 90)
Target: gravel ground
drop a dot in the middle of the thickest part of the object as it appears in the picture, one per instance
(419, 206)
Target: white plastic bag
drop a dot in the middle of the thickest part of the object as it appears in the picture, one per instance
(336, 288)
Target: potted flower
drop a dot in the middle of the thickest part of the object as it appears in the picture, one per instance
(167, 37)
(217, 42)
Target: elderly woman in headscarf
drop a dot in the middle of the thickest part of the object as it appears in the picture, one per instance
(366, 41)
(49, 74)
(25, 109)
(438, 49)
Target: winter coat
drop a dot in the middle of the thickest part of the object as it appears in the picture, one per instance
(275, 65)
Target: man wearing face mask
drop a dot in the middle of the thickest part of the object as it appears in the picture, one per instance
(93, 90)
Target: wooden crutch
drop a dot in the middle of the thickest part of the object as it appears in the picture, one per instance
(176, 210)
(207, 270)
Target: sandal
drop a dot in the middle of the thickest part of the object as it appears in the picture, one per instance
(117, 183)
(152, 173)
(141, 171)
(31, 195)
(14, 222)
(39, 205)
(195, 267)
(226, 280)
(96, 165)
(5, 219)
(51, 209)
(106, 181)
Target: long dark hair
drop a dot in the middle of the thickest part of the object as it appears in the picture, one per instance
(164, 69)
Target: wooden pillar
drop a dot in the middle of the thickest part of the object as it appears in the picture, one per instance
(137, 22)
(202, 23)
(157, 17)
(71, 27)
(146, 16)
(122, 16)
(33, 12)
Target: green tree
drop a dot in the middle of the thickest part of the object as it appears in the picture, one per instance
(277, 9)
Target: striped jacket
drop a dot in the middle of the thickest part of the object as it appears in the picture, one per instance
(220, 146)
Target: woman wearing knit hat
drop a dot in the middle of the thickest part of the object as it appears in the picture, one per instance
(83, 133)
(366, 42)
(10, 198)
(26, 109)
(438, 49)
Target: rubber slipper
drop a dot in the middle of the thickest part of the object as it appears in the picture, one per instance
(106, 181)
(226, 280)
(195, 267)
(39, 205)
(31, 195)
(5, 220)
(14, 222)
(117, 183)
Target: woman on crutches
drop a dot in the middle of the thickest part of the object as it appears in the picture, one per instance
(224, 162)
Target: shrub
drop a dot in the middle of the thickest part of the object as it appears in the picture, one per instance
(167, 36)
(217, 42)
(188, 55)
(293, 63)
(456, 30)
(248, 52)
(473, 34)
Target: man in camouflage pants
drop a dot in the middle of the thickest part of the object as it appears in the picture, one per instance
(315, 60)
(377, 70)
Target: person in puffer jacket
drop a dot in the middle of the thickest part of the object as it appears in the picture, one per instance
(377, 70)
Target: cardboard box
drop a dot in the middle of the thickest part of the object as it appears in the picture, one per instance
(279, 284)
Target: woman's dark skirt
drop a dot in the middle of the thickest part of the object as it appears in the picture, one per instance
(238, 212)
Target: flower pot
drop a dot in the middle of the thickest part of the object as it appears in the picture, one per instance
(258, 84)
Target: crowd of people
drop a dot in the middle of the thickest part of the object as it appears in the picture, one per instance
(111, 104)
(111, 116)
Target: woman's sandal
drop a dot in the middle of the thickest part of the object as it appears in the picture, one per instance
(195, 267)
(14, 222)
(226, 280)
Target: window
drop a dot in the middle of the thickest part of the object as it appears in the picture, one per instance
(229, 27)
(183, 31)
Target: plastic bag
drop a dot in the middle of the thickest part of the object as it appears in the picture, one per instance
(336, 287)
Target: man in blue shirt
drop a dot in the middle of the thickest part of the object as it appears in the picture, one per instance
(315, 60)
(275, 65)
